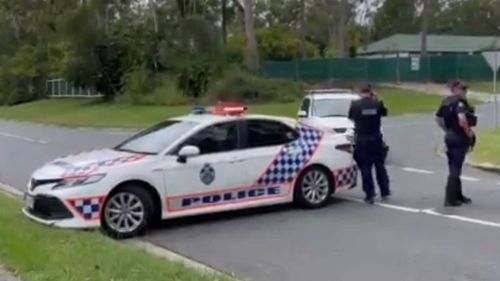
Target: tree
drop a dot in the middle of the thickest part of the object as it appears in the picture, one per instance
(425, 26)
(251, 53)
(395, 16)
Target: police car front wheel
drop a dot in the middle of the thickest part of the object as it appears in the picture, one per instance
(127, 212)
(313, 188)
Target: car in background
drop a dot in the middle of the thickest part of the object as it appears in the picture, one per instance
(215, 159)
(328, 109)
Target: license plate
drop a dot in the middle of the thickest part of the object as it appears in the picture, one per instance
(30, 202)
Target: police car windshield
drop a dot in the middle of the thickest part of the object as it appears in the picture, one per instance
(157, 138)
(331, 107)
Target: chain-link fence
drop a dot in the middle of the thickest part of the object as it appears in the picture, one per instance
(438, 68)
(60, 88)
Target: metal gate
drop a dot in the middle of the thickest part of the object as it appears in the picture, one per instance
(60, 88)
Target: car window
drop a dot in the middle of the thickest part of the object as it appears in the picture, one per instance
(305, 105)
(261, 133)
(157, 138)
(331, 107)
(216, 138)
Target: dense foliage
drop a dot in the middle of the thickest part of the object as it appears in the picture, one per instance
(169, 52)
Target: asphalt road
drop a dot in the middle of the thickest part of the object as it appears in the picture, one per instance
(410, 238)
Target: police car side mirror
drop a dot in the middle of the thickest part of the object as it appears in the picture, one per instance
(302, 114)
(186, 152)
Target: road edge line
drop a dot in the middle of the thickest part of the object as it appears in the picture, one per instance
(172, 256)
(10, 191)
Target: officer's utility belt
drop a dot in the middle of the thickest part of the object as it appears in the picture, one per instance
(367, 139)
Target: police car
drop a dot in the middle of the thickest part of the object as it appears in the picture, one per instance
(328, 109)
(215, 159)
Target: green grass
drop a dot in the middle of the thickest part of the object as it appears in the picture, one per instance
(487, 148)
(39, 253)
(95, 114)
(485, 87)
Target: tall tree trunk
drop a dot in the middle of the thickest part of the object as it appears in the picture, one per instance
(251, 52)
(302, 28)
(342, 26)
(152, 7)
(424, 28)
(224, 21)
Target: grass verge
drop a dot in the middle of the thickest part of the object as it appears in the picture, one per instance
(39, 253)
(487, 149)
(96, 114)
(484, 87)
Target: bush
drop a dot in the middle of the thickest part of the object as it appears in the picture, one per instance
(142, 88)
(243, 87)
(194, 79)
(22, 76)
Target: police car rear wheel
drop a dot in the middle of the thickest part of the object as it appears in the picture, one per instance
(313, 188)
(127, 212)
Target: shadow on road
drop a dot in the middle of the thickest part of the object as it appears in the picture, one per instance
(234, 215)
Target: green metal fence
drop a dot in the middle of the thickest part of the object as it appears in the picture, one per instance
(401, 69)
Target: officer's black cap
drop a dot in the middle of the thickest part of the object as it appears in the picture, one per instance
(457, 84)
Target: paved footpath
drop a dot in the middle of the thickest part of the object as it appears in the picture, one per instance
(411, 238)
(6, 276)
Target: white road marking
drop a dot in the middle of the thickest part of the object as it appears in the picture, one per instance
(414, 170)
(399, 208)
(467, 178)
(22, 138)
(431, 212)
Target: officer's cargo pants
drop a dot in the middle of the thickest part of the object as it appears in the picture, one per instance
(456, 158)
(369, 154)
(457, 147)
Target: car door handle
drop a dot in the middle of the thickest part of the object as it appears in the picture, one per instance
(237, 161)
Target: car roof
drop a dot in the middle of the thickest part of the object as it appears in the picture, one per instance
(329, 96)
(334, 93)
(206, 119)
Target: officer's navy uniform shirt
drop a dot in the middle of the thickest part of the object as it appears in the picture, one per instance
(367, 114)
(449, 110)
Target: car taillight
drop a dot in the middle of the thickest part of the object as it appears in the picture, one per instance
(347, 147)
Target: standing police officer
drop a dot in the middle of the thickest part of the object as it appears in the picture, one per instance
(456, 117)
(369, 149)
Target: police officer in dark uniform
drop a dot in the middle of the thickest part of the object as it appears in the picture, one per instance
(456, 117)
(369, 146)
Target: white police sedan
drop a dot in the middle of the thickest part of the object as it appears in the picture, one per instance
(328, 109)
(211, 161)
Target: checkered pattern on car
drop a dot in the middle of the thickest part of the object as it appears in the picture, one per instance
(88, 208)
(346, 177)
(292, 157)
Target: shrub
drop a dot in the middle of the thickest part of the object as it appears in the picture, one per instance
(142, 88)
(240, 86)
(194, 79)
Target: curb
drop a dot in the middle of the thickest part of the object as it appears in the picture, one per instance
(485, 166)
(175, 257)
(145, 246)
(10, 191)
(488, 167)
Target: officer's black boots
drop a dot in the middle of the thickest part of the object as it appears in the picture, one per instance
(461, 197)
(452, 192)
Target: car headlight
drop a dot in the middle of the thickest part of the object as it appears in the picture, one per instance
(78, 181)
